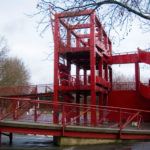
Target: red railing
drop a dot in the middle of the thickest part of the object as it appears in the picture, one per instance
(71, 80)
(25, 89)
(123, 86)
(125, 53)
(39, 111)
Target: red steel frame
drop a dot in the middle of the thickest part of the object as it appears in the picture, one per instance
(97, 46)
(84, 99)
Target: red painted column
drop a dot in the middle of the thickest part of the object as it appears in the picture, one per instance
(100, 104)
(69, 69)
(110, 48)
(68, 38)
(100, 67)
(137, 75)
(85, 98)
(105, 41)
(101, 33)
(105, 103)
(106, 72)
(92, 67)
(56, 68)
(110, 76)
(77, 95)
(77, 42)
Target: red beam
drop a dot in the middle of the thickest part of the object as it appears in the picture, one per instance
(72, 32)
(75, 13)
(31, 131)
(86, 35)
(90, 135)
(144, 56)
(74, 88)
(98, 53)
(100, 26)
(79, 26)
(74, 49)
(131, 58)
(124, 59)
(134, 136)
(100, 46)
(75, 134)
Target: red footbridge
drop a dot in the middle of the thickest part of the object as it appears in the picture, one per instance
(86, 104)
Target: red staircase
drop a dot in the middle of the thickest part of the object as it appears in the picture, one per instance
(144, 56)
(140, 56)
(144, 90)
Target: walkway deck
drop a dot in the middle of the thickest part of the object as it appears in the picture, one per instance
(75, 131)
(43, 117)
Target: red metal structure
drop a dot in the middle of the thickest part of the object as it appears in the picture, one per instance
(88, 48)
(86, 102)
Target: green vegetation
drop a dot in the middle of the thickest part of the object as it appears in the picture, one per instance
(12, 69)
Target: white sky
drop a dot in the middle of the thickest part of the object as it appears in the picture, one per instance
(25, 42)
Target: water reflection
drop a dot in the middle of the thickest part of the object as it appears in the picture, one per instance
(30, 142)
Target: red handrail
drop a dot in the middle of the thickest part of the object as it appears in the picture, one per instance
(67, 113)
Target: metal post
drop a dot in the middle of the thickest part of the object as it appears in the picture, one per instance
(0, 138)
(105, 40)
(35, 112)
(100, 67)
(110, 48)
(92, 67)
(68, 38)
(56, 68)
(100, 104)
(110, 76)
(14, 109)
(106, 72)
(137, 75)
(85, 109)
(63, 118)
(77, 108)
(85, 98)
(120, 123)
(10, 138)
(77, 94)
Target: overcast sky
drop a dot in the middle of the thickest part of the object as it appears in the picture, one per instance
(25, 42)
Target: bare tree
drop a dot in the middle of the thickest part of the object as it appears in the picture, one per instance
(3, 48)
(12, 70)
(116, 15)
(3, 53)
(122, 81)
(14, 73)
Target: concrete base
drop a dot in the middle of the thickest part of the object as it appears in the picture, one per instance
(68, 141)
